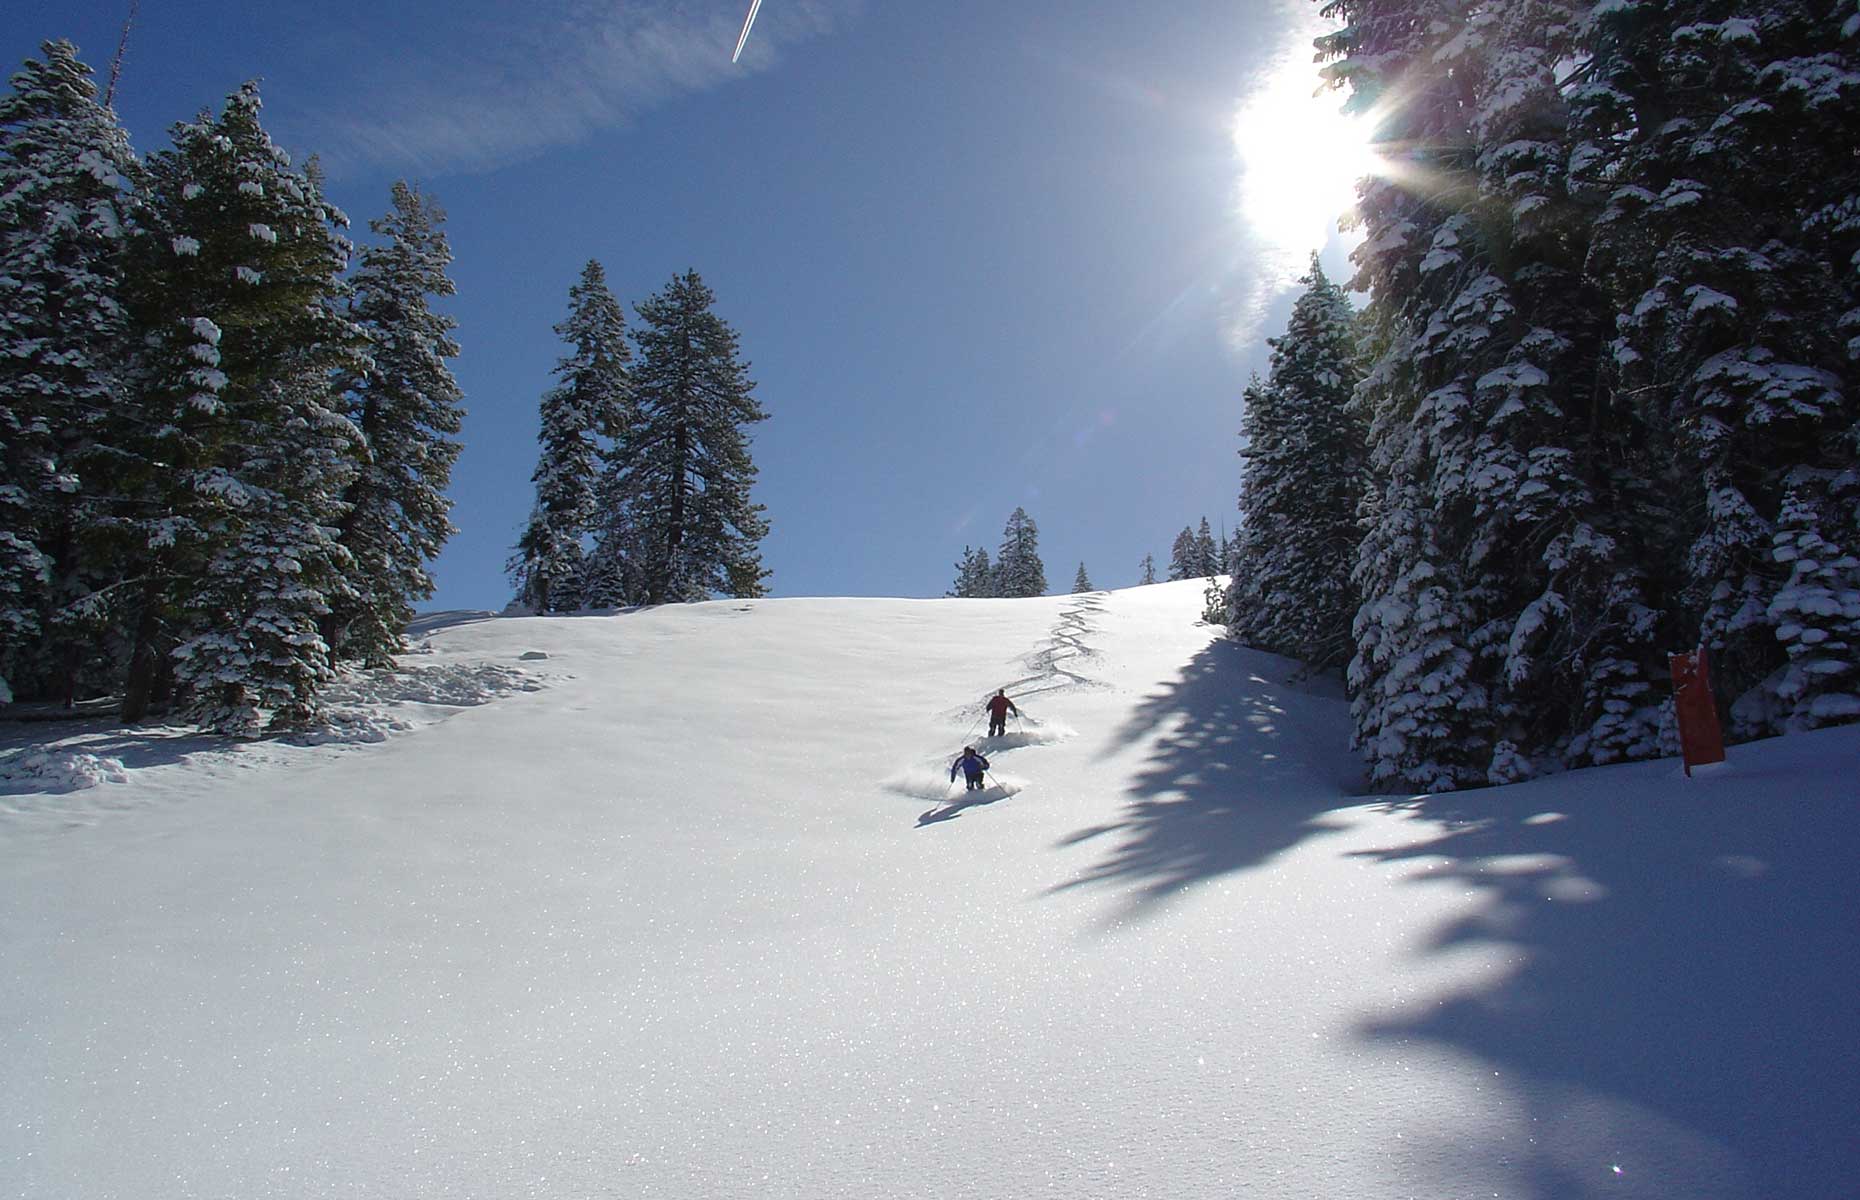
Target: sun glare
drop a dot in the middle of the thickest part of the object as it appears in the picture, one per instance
(1299, 160)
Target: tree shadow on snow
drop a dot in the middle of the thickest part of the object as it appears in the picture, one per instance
(1682, 1021)
(1247, 758)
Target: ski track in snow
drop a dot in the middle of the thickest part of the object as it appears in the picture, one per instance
(1054, 664)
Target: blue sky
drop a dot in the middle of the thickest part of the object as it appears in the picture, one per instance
(979, 255)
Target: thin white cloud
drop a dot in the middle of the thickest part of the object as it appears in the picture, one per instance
(516, 82)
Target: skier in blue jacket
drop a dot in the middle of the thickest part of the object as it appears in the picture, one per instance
(971, 765)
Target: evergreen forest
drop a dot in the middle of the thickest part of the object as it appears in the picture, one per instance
(1601, 404)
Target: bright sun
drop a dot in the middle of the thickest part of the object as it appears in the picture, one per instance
(1300, 159)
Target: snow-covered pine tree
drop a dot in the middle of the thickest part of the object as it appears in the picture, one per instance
(407, 407)
(1184, 556)
(1018, 569)
(1301, 483)
(1422, 716)
(65, 205)
(1149, 570)
(1719, 136)
(975, 577)
(1082, 582)
(1503, 367)
(256, 657)
(685, 467)
(1553, 475)
(591, 399)
(240, 288)
(1817, 612)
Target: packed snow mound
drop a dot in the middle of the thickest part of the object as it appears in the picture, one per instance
(54, 770)
(362, 708)
(370, 706)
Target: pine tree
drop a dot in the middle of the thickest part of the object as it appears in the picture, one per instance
(1207, 551)
(592, 399)
(1301, 484)
(1082, 582)
(685, 469)
(1556, 481)
(604, 372)
(1422, 716)
(65, 207)
(1817, 611)
(1207, 554)
(1184, 557)
(1018, 569)
(1149, 570)
(240, 290)
(975, 578)
(256, 656)
(406, 405)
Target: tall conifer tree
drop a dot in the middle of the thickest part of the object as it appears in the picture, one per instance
(1422, 716)
(65, 207)
(1300, 487)
(406, 405)
(1185, 556)
(975, 577)
(590, 400)
(685, 471)
(1207, 551)
(241, 291)
(1018, 569)
(612, 577)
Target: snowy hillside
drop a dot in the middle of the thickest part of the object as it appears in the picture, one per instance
(689, 908)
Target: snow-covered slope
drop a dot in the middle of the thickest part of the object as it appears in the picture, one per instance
(703, 916)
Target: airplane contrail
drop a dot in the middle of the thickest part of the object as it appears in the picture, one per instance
(748, 24)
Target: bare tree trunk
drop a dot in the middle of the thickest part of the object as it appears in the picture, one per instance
(144, 658)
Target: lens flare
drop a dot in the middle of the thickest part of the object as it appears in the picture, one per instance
(1300, 158)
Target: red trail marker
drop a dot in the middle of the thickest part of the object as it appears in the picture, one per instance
(1701, 740)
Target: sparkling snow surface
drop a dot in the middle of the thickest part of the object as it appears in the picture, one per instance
(703, 917)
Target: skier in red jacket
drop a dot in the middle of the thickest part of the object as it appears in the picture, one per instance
(999, 706)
